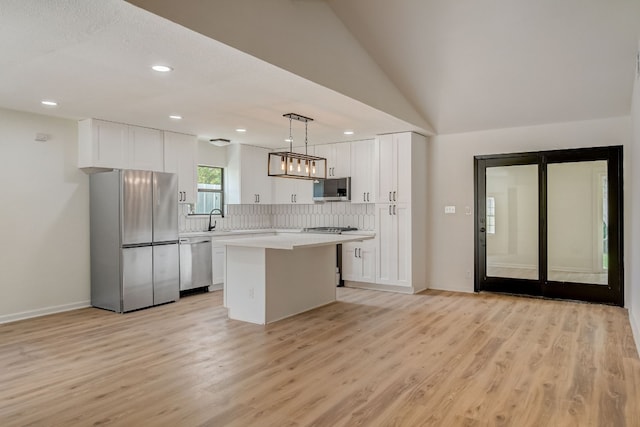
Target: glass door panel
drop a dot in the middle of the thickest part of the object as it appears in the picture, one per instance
(577, 222)
(512, 222)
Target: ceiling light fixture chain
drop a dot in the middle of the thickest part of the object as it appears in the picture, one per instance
(290, 134)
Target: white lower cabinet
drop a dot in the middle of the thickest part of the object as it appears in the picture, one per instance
(218, 263)
(359, 261)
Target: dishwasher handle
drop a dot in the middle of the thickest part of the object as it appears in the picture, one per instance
(194, 240)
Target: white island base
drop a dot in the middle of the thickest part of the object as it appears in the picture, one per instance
(273, 277)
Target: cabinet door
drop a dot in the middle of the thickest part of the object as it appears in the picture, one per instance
(385, 156)
(180, 158)
(283, 190)
(387, 257)
(304, 192)
(402, 144)
(105, 144)
(368, 262)
(146, 150)
(402, 218)
(342, 159)
(351, 264)
(326, 151)
(362, 172)
(256, 184)
(218, 264)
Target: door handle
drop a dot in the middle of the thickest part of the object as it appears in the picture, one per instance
(482, 230)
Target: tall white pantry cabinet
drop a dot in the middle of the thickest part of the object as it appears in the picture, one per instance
(401, 216)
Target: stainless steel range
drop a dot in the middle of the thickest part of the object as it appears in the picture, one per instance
(328, 230)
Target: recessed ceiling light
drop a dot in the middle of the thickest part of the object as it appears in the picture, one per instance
(162, 68)
(175, 116)
(241, 130)
(49, 103)
(348, 132)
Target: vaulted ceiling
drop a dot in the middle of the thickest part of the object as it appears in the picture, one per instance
(374, 66)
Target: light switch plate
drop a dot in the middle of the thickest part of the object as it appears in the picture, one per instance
(449, 209)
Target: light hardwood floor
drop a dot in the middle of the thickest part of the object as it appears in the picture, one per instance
(373, 358)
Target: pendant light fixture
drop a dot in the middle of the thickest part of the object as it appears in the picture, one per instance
(288, 164)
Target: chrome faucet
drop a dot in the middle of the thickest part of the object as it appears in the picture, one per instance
(214, 222)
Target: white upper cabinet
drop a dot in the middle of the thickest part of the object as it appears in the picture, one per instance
(103, 144)
(288, 191)
(180, 157)
(363, 172)
(246, 177)
(338, 158)
(395, 167)
(109, 145)
(146, 149)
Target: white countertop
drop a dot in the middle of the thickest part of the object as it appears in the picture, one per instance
(293, 240)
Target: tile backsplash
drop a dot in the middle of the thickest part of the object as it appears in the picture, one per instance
(242, 217)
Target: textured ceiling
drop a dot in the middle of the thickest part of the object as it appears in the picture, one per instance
(374, 66)
(469, 65)
(94, 58)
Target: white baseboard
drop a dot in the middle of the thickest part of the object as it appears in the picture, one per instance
(453, 289)
(635, 328)
(6, 318)
(377, 287)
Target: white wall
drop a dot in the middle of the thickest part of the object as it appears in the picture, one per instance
(633, 273)
(451, 183)
(44, 218)
(211, 155)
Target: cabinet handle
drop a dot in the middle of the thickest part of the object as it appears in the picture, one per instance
(394, 210)
(184, 196)
(390, 210)
(394, 196)
(390, 196)
(295, 198)
(355, 253)
(364, 196)
(292, 198)
(367, 196)
(258, 198)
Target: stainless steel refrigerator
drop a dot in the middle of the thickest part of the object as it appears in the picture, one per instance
(134, 239)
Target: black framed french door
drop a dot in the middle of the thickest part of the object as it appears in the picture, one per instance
(550, 224)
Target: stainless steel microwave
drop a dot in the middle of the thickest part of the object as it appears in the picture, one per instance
(332, 190)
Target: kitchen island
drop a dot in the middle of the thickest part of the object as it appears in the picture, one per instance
(268, 278)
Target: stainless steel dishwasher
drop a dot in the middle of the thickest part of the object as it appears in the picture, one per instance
(195, 263)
